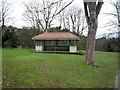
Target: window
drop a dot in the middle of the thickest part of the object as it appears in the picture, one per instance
(38, 43)
(73, 42)
(50, 43)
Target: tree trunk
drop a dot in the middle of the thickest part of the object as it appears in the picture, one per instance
(92, 28)
(90, 46)
(3, 22)
(91, 12)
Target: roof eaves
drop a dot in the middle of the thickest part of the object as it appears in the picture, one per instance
(55, 39)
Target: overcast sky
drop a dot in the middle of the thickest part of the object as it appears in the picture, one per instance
(18, 9)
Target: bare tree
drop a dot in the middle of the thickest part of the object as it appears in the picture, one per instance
(61, 19)
(0, 14)
(73, 19)
(4, 12)
(77, 19)
(92, 10)
(116, 14)
(64, 20)
(42, 14)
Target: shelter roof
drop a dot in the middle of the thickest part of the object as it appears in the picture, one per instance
(56, 36)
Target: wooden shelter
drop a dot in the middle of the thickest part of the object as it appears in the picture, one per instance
(56, 41)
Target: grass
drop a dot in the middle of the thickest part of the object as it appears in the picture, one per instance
(25, 69)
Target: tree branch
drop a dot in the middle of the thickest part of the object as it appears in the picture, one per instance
(86, 11)
(98, 8)
(62, 9)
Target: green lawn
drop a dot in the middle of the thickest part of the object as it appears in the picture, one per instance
(22, 68)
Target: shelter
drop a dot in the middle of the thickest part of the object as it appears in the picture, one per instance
(56, 41)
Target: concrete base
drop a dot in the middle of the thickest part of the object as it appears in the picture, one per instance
(73, 48)
(38, 48)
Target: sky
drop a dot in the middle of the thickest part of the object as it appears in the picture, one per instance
(18, 9)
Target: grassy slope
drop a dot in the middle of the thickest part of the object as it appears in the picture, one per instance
(22, 68)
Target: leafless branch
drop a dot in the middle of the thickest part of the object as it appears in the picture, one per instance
(44, 12)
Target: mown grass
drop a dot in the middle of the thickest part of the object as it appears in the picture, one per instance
(25, 69)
